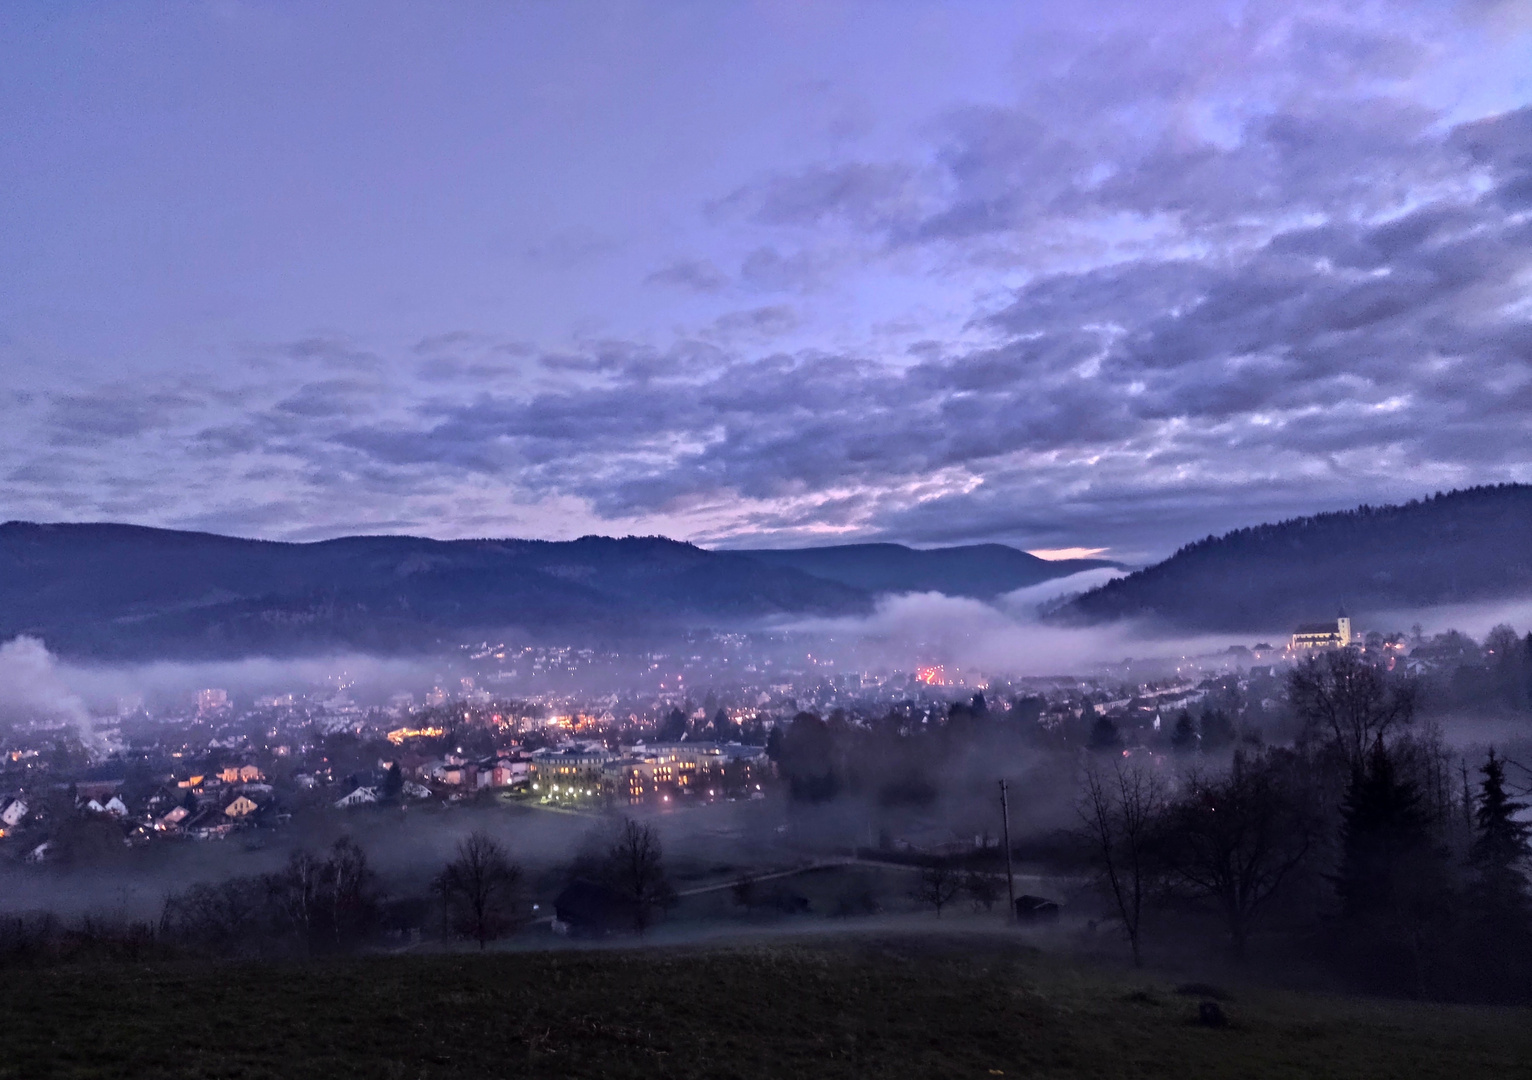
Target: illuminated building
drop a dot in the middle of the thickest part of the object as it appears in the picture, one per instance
(1323, 635)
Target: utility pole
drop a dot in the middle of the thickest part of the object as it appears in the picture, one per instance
(1010, 881)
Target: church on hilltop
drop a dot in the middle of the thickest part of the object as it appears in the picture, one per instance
(1334, 634)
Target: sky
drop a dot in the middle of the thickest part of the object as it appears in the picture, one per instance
(1089, 275)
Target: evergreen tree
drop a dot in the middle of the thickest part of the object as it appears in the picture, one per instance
(1392, 881)
(1498, 898)
(673, 727)
(393, 783)
(1502, 845)
(1184, 738)
(1103, 734)
(1217, 731)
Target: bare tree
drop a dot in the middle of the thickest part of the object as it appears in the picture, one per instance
(227, 918)
(352, 900)
(1233, 840)
(635, 869)
(1121, 811)
(299, 892)
(938, 886)
(479, 888)
(1350, 700)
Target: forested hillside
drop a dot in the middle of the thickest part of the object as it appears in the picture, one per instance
(978, 570)
(122, 590)
(1474, 544)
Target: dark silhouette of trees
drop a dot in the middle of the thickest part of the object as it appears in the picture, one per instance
(1183, 737)
(1217, 730)
(353, 903)
(982, 889)
(311, 905)
(479, 888)
(1121, 811)
(393, 783)
(937, 886)
(635, 870)
(1349, 702)
(1498, 898)
(673, 727)
(326, 904)
(1104, 735)
(1393, 881)
(1232, 840)
(807, 758)
(1509, 668)
(231, 917)
(299, 891)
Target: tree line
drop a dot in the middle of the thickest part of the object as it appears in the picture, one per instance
(332, 903)
(1361, 843)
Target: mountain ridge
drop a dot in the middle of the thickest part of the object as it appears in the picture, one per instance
(1460, 546)
(981, 571)
(117, 590)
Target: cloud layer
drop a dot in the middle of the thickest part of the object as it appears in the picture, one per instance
(1191, 269)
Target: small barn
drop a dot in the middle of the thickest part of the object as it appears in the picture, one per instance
(1036, 909)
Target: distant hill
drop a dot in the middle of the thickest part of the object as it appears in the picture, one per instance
(1468, 545)
(978, 570)
(122, 590)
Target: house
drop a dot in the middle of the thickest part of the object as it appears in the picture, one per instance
(42, 852)
(242, 806)
(456, 774)
(174, 818)
(208, 823)
(113, 807)
(98, 789)
(360, 797)
(241, 774)
(412, 790)
(13, 811)
(588, 909)
(504, 772)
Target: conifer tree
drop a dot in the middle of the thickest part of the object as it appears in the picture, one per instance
(1392, 882)
(393, 783)
(1104, 735)
(1500, 856)
(1183, 739)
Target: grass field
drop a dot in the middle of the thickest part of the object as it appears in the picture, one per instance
(871, 1006)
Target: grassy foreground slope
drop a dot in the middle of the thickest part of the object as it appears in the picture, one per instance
(859, 1008)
